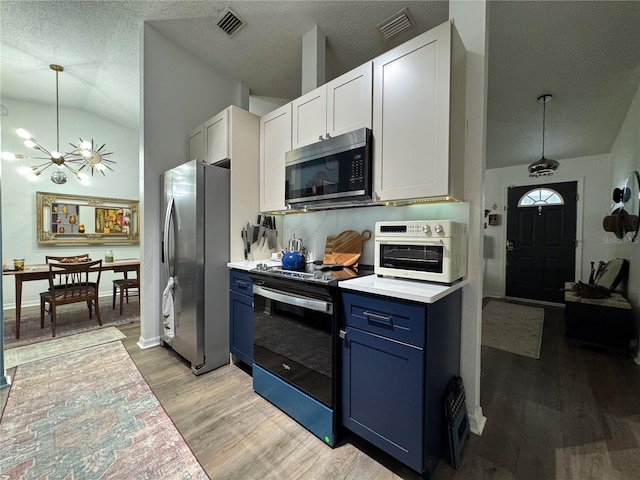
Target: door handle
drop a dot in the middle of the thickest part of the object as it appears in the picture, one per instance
(510, 247)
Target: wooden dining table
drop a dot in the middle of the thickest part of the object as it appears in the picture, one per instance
(41, 272)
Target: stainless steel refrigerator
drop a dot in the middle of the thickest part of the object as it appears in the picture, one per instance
(195, 252)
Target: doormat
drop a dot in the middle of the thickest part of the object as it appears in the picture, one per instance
(513, 328)
(87, 415)
(59, 346)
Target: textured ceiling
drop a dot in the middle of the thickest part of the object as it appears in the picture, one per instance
(585, 53)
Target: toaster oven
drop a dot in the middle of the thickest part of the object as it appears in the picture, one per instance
(428, 250)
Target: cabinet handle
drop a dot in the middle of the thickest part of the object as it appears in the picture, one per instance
(342, 334)
(241, 284)
(374, 317)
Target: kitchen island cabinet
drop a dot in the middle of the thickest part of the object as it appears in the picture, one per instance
(241, 316)
(419, 118)
(398, 358)
(340, 106)
(275, 142)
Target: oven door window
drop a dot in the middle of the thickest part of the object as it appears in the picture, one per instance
(295, 343)
(333, 176)
(420, 258)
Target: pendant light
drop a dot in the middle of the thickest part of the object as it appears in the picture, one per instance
(544, 166)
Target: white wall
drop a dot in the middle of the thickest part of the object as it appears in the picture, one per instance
(19, 194)
(263, 105)
(625, 155)
(178, 93)
(593, 174)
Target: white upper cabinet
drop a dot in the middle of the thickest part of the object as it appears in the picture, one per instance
(419, 118)
(216, 132)
(233, 135)
(195, 144)
(340, 106)
(275, 142)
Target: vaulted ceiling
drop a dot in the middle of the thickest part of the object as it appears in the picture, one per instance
(585, 53)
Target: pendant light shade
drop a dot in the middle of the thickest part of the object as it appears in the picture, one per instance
(544, 166)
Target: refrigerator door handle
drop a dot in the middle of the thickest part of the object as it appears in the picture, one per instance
(168, 264)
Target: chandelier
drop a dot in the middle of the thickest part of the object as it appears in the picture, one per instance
(544, 166)
(84, 154)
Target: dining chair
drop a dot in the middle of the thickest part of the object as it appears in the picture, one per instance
(71, 283)
(123, 285)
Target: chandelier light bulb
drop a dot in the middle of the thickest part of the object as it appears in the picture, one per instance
(8, 156)
(86, 145)
(30, 144)
(83, 177)
(23, 133)
(86, 153)
(55, 154)
(100, 166)
(25, 171)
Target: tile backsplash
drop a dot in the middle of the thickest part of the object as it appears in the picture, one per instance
(314, 227)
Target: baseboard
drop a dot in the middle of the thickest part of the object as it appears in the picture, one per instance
(492, 295)
(477, 421)
(148, 343)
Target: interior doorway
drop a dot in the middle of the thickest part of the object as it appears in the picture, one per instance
(541, 240)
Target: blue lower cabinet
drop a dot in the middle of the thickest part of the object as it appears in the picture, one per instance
(382, 393)
(397, 361)
(241, 316)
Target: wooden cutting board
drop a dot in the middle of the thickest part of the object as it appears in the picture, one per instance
(345, 248)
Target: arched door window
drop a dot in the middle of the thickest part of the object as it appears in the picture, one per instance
(540, 197)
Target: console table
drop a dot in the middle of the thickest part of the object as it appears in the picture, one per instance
(600, 322)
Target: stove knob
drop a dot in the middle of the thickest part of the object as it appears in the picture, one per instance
(426, 229)
(439, 229)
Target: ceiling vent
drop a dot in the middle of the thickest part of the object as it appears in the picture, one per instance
(396, 23)
(231, 23)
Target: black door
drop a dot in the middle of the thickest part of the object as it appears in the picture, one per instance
(541, 242)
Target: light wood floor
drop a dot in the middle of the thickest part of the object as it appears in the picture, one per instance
(572, 414)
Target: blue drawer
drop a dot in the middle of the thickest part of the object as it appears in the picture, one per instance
(310, 413)
(240, 282)
(397, 320)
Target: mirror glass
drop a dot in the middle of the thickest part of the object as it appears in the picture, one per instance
(64, 219)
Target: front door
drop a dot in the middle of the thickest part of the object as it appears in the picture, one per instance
(541, 234)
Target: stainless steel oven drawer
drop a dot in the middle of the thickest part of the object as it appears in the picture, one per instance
(400, 321)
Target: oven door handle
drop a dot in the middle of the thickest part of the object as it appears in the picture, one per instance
(290, 299)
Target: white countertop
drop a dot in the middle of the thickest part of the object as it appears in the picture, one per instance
(251, 264)
(417, 291)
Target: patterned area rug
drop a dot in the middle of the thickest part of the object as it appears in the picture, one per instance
(60, 346)
(513, 328)
(90, 415)
(72, 319)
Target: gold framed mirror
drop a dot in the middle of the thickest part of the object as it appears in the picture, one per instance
(65, 219)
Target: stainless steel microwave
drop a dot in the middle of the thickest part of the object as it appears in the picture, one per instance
(338, 169)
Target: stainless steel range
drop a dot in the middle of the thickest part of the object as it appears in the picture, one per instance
(295, 328)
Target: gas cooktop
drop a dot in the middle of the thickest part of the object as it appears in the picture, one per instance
(319, 273)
